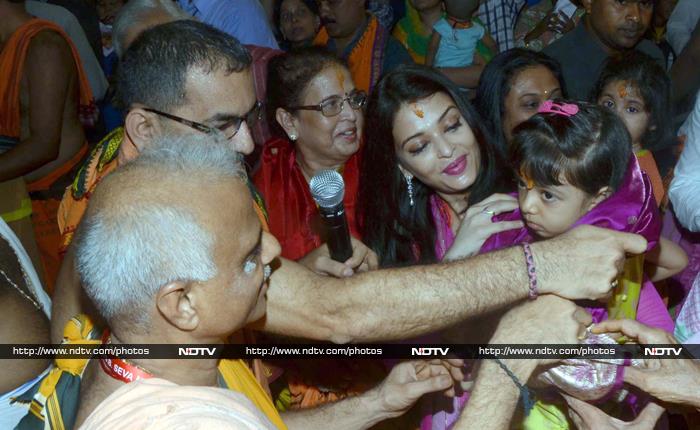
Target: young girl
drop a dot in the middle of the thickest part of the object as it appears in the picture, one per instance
(638, 90)
(574, 166)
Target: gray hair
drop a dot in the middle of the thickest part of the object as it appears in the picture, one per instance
(134, 239)
(134, 11)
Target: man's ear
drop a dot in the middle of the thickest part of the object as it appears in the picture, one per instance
(141, 127)
(176, 303)
(287, 121)
(602, 194)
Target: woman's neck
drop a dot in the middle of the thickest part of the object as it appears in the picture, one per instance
(458, 203)
(310, 166)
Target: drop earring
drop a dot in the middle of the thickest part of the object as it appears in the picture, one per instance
(409, 184)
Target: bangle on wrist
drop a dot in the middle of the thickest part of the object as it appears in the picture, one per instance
(526, 396)
(533, 291)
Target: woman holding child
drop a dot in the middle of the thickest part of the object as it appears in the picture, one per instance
(427, 149)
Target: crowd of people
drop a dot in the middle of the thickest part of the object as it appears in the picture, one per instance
(515, 172)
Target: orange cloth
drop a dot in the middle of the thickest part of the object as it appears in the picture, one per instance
(102, 160)
(366, 58)
(12, 60)
(42, 191)
(648, 164)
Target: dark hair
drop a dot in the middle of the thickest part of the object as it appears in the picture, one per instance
(461, 9)
(154, 68)
(653, 84)
(495, 83)
(398, 232)
(277, 11)
(591, 149)
(289, 74)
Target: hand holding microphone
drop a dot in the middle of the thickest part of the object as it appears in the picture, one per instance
(328, 190)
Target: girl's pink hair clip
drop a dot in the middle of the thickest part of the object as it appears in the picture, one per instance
(566, 109)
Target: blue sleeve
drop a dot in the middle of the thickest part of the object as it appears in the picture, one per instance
(443, 27)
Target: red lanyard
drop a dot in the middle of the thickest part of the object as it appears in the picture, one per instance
(120, 369)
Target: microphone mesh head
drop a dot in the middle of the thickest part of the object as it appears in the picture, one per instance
(327, 188)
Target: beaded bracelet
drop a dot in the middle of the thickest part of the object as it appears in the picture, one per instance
(526, 396)
(531, 273)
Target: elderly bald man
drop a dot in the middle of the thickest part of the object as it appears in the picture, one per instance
(189, 265)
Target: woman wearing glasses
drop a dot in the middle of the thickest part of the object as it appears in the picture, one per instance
(313, 102)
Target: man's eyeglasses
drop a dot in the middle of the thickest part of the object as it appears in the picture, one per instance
(229, 128)
(333, 105)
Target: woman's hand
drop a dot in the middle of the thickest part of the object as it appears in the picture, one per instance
(319, 260)
(477, 225)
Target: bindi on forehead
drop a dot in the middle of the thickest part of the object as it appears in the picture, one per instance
(417, 110)
(529, 183)
(622, 89)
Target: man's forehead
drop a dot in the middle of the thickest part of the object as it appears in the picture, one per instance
(232, 91)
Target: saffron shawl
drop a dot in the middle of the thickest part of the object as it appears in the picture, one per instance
(366, 57)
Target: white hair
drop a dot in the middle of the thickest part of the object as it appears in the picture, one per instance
(133, 11)
(133, 240)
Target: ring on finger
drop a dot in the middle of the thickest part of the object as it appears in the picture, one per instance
(487, 211)
(613, 284)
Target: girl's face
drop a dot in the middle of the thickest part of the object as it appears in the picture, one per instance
(434, 143)
(528, 90)
(551, 211)
(624, 99)
(297, 22)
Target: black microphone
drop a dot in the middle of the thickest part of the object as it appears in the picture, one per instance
(328, 189)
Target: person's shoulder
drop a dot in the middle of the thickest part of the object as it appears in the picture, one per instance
(441, 24)
(49, 40)
(648, 47)
(49, 50)
(565, 44)
(396, 54)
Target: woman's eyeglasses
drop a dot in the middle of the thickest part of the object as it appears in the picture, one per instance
(333, 105)
(229, 128)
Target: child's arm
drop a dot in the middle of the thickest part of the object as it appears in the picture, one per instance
(433, 46)
(488, 41)
(665, 260)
